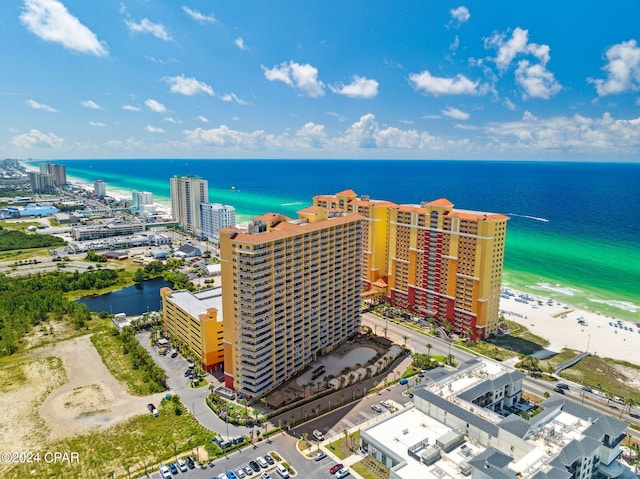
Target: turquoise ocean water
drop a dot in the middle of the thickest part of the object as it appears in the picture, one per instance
(574, 232)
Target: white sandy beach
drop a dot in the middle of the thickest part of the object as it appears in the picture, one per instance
(559, 323)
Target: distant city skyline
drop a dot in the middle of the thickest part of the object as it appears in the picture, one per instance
(417, 80)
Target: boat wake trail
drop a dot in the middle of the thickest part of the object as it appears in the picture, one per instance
(544, 220)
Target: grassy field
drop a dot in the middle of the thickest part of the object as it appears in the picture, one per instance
(608, 375)
(119, 365)
(126, 450)
(343, 447)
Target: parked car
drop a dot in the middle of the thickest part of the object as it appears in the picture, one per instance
(404, 381)
(344, 472)
(240, 473)
(174, 354)
(282, 471)
(376, 408)
(190, 462)
(254, 465)
(231, 475)
(318, 435)
(269, 459)
(182, 465)
(385, 404)
(320, 456)
(261, 462)
(174, 469)
(165, 473)
(264, 475)
(248, 470)
(335, 468)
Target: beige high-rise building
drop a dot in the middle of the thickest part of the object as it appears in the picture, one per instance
(290, 291)
(187, 192)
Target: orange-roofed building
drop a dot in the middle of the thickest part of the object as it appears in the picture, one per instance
(431, 259)
(290, 292)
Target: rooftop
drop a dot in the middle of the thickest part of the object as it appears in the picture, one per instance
(198, 303)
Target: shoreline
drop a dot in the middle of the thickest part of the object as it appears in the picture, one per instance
(565, 326)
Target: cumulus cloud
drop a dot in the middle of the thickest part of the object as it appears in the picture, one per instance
(459, 16)
(455, 114)
(37, 139)
(360, 87)
(577, 133)
(240, 44)
(51, 21)
(302, 77)
(312, 135)
(232, 97)
(155, 106)
(622, 70)
(91, 105)
(458, 85)
(170, 119)
(147, 26)
(199, 17)
(535, 79)
(224, 136)
(188, 86)
(131, 108)
(40, 106)
(153, 129)
(96, 123)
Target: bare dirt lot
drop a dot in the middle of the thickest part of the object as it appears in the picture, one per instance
(59, 391)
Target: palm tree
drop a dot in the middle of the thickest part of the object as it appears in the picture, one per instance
(429, 346)
(405, 337)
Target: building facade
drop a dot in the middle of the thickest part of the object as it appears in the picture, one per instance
(187, 193)
(195, 319)
(41, 182)
(214, 216)
(99, 188)
(58, 172)
(431, 259)
(291, 291)
(142, 202)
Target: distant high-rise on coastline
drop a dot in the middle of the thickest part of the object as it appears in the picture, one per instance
(187, 193)
(431, 259)
(214, 216)
(99, 188)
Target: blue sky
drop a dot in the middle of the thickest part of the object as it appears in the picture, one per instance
(545, 80)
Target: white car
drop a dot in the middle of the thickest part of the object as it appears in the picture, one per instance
(239, 473)
(165, 472)
(182, 465)
(261, 462)
(344, 472)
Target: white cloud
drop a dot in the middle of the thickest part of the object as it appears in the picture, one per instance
(130, 108)
(536, 81)
(170, 119)
(459, 16)
(240, 44)
(199, 17)
(360, 87)
(188, 86)
(458, 85)
(578, 134)
(312, 135)
(91, 105)
(534, 78)
(153, 129)
(40, 106)
(51, 21)
(232, 97)
(303, 77)
(37, 139)
(622, 69)
(96, 123)
(147, 26)
(202, 119)
(456, 114)
(509, 104)
(223, 136)
(155, 106)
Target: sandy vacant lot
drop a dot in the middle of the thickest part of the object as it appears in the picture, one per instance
(59, 391)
